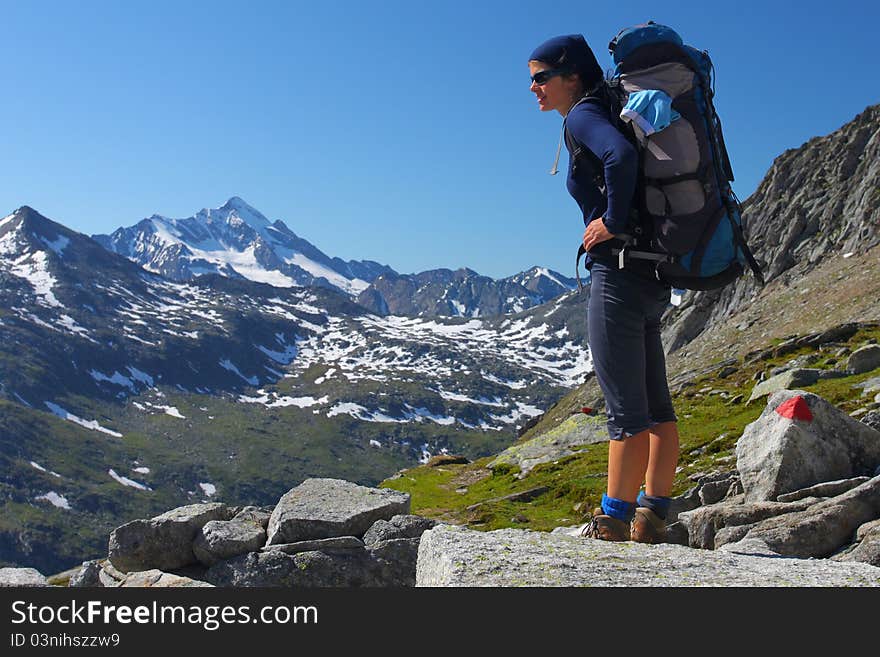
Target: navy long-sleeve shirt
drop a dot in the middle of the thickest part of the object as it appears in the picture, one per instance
(590, 126)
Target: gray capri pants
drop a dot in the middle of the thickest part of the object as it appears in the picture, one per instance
(623, 322)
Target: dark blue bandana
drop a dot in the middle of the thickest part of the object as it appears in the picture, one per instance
(570, 53)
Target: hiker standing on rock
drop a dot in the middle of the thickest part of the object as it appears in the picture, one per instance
(625, 305)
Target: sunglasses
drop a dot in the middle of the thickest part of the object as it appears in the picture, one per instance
(542, 77)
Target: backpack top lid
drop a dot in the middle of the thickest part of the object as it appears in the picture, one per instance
(631, 38)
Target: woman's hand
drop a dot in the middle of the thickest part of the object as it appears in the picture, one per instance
(596, 233)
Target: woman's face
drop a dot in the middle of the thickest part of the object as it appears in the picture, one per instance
(557, 92)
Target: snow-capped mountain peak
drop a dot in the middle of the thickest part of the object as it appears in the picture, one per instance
(237, 241)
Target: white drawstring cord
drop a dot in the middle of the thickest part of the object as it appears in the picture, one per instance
(555, 168)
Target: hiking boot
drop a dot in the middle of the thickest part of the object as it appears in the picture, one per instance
(648, 527)
(606, 528)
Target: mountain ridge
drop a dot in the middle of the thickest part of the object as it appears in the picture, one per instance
(237, 241)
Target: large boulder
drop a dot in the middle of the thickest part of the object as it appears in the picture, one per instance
(801, 440)
(864, 359)
(324, 508)
(165, 541)
(456, 556)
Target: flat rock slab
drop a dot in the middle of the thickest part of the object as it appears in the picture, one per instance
(325, 508)
(825, 489)
(158, 579)
(456, 556)
(564, 440)
(27, 577)
(320, 545)
(796, 378)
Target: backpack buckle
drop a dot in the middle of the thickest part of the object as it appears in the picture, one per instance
(621, 256)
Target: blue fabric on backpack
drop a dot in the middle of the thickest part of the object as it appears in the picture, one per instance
(651, 110)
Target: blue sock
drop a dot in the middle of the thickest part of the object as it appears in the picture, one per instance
(659, 505)
(611, 506)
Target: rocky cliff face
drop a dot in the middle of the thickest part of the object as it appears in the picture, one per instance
(819, 201)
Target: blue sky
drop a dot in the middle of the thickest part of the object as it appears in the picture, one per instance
(401, 132)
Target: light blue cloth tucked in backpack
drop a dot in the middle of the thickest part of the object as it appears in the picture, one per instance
(650, 110)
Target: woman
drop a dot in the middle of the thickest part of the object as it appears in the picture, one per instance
(625, 305)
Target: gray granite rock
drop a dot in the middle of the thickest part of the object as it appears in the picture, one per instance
(400, 526)
(831, 374)
(731, 534)
(395, 561)
(864, 359)
(677, 533)
(222, 539)
(863, 530)
(704, 522)
(687, 501)
(777, 455)
(157, 579)
(87, 575)
(165, 541)
(274, 568)
(324, 508)
(786, 381)
(867, 550)
(822, 528)
(456, 556)
(320, 544)
(22, 577)
(871, 419)
(825, 489)
(716, 490)
(254, 514)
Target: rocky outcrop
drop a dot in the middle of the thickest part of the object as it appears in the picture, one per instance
(164, 542)
(822, 528)
(335, 533)
(456, 556)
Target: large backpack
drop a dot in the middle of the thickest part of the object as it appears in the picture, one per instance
(686, 218)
